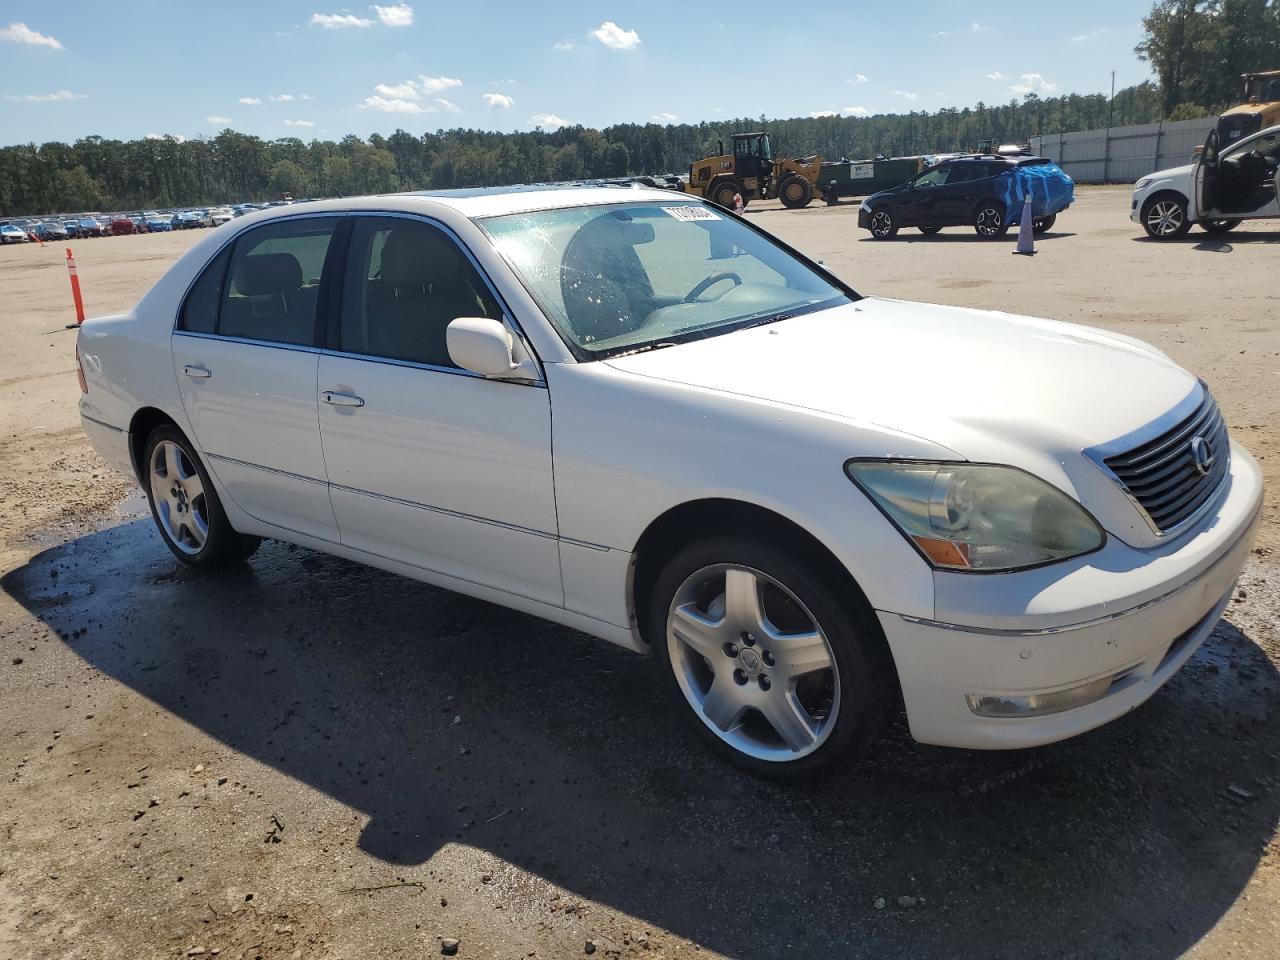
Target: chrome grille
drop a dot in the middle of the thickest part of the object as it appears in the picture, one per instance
(1163, 474)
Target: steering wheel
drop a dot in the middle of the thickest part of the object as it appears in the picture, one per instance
(706, 283)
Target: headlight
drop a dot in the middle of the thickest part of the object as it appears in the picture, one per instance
(978, 517)
(1142, 184)
(865, 206)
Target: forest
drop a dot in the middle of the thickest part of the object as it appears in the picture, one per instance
(1196, 49)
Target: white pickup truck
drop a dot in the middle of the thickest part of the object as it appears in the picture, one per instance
(1219, 191)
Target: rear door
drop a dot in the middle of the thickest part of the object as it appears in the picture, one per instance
(429, 464)
(1204, 194)
(245, 353)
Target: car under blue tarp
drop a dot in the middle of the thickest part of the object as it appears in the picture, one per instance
(1051, 190)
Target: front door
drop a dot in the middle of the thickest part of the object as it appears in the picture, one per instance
(924, 202)
(245, 355)
(1206, 177)
(429, 464)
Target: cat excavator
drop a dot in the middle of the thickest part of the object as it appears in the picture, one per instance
(752, 172)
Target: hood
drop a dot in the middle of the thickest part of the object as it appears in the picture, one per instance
(990, 386)
(1173, 173)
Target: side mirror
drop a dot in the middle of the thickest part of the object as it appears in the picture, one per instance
(486, 347)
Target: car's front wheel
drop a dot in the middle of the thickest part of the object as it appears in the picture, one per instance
(929, 231)
(1165, 217)
(768, 658)
(990, 222)
(884, 226)
(185, 505)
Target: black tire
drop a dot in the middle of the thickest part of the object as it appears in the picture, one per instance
(1219, 226)
(1164, 216)
(882, 223)
(222, 544)
(990, 222)
(1044, 224)
(863, 668)
(722, 194)
(795, 191)
(929, 231)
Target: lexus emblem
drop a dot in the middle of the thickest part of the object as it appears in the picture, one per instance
(1202, 454)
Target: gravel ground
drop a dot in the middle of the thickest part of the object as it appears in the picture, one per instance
(306, 758)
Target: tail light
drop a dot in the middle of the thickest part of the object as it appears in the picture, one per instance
(84, 386)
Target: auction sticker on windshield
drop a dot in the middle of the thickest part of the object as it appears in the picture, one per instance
(689, 212)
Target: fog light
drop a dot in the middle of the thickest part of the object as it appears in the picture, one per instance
(1039, 704)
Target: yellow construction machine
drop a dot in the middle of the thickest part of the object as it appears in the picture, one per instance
(753, 173)
(1260, 110)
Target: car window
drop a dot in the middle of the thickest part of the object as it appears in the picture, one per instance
(622, 277)
(1267, 145)
(272, 286)
(406, 280)
(200, 311)
(934, 178)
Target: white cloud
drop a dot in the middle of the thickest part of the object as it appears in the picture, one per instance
(175, 137)
(1082, 37)
(431, 85)
(564, 45)
(393, 105)
(1033, 83)
(214, 118)
(664, 117)
(549, 120)
(615, 38)
(448, 105)
(290, 97)
(856, 112)
(858, 78)
(55, 97)
(500, 100)
(819, 114)
(976, 27)
(996, 75)
(398, 91)
(298, 123)
(21, 33)
(400, 15)
(339, 21)
(907, 94)
(251, 101)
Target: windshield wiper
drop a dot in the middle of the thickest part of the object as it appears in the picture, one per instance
(643, 348)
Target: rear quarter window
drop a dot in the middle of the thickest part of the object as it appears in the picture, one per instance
(200, 310)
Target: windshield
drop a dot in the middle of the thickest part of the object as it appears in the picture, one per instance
(623, 277)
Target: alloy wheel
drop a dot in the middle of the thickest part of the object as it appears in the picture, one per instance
(753, 662)
(881, 223)
(178, 495)
(1165, 218)
(989, 221)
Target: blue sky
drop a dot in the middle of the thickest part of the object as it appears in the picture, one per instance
(277, 68)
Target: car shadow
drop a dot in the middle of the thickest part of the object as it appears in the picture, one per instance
(1216, 242)
(347, 679)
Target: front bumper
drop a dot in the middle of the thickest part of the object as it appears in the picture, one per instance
(1136, 623)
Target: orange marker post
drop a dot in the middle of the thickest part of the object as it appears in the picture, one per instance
(75, 291)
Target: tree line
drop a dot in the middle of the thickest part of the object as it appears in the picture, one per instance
(1197, 49)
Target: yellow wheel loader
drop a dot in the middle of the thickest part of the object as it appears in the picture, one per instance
(1260, 110)
(752, 172)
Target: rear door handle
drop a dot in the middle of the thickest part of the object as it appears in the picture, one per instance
(197, 372)
(342, 399)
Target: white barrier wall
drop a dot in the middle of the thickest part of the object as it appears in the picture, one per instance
(1123, 154)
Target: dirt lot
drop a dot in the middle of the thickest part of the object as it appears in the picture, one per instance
(314, 760)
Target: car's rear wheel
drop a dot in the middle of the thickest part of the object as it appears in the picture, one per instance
(1044, 224)
(768, 659)
(1165, 217)
(185, 505)
(1219, 226)
(929, 231)
(884, 226)
(990, 222)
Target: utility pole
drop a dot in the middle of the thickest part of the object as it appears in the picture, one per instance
(1106, 156)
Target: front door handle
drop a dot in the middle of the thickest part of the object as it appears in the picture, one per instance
(197, 372)
(342, 399)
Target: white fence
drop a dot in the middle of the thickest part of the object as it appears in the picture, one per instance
(1123, 154)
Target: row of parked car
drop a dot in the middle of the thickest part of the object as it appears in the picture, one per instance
(26, 230)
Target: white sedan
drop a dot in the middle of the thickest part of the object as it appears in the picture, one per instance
(642, 417)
